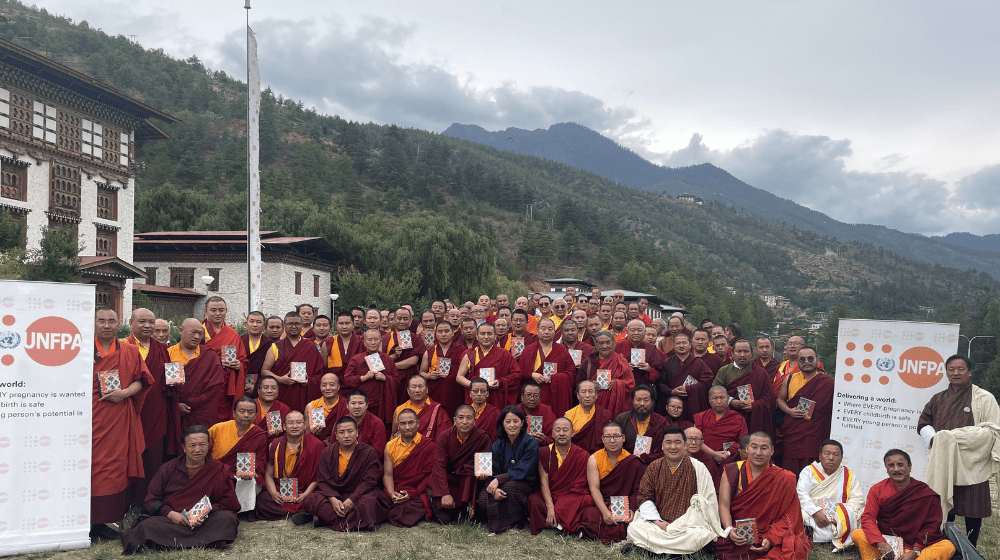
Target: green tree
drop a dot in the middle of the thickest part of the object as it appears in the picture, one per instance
(58, 259)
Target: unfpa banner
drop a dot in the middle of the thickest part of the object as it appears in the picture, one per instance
(886, 373)
(46, 378)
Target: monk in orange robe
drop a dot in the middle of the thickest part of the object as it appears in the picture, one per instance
(291, 350)
(588, 418)
(334, 408)
(256, 345)
(486, 414)
(441, 384)
(342, 347)
(432, 417)
(506, 373)
(293, 455)
(267, 402)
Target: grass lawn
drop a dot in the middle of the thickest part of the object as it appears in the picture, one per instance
(280, 540)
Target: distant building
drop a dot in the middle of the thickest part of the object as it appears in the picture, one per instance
(67, 143)
(657, 307)
(769, 300)
(690, 198)
(822, 316)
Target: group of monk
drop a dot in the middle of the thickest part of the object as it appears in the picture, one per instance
(581, 415)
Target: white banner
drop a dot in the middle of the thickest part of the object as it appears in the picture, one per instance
(253, 164)
(886, 373)
(46, 379)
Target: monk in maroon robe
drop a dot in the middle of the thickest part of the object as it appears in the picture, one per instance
(611, 471)
(646, 370)
(721, 428)
(294, 455)
(803, 433)
(294, 349)
(204, 377)
(758, 409)
(433, 418)
(177, 487)
(218, 336)
(564, 492)
(531, 405)
(407, 469)
(577, 349)
(371, 429)
(642, 421)
(506, 373)
(240, 435)
(675, 413)
(256, 344)
(117, 438)
(342, 347)
(453, 480)
(334, 408)
(381, 385)
(347, 497)
(588, 418)
(686, 376)
(557, 384)
(407, 360)
(611, 373)
(440, 367)
(486, 414)
(519, 330)
(267, 402)
(700, 342)
(765, 357)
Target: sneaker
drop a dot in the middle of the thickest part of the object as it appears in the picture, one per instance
(301, 518)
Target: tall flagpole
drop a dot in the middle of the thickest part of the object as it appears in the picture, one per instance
(254, 263)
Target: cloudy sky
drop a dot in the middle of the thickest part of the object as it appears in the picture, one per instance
(881, 112)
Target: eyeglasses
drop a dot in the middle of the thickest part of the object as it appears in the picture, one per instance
(559, 306)
(612, 437)
(694, 439)
(541, 304)
(807, 359)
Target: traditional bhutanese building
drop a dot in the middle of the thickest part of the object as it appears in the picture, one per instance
(67, 148)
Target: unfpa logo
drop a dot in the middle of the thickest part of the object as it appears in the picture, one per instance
(53, 341)
(921, 367)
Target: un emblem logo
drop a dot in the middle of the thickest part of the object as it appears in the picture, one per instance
(885, 364)
(9, 340)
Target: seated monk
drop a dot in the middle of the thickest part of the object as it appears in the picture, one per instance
(486, 354)
(334, 408)
(204, 379)
(239, 435)
(828, 481)
(587, 417)
(380, 385)
(675, 413)
(347, 497)
(642, 421)
(453, 481)
(432, 416)
(531, 405)
(616, 395)
(905, 507)
(678, 509)
(692, 442)
(293, 349)
(675, 372)
(441, 386)
(612, 471)
(646, 370)
(406, 472)
(557, 387)
(722, 428)
(486, 413)
(503, 501)
(371, 430)
(756, 489)
(758, 411)
(177, 487)
(562, 472)
(267, 401)
(294, 455)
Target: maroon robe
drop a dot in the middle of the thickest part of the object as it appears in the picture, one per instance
(508, 340)
(548, 418)
(558, 393)
(304, 471)
(340, 354)
(412, 475)
(892, 512)
(371, 430)
(567, 485)
(589, 436)
(486, 419)
(585, 350)
(760, 417)
(431, 420)
(253, 441)
(234, 386)
(255, 360)
(674, 373)
(771, 368)
(618, 397)
(507, 373)
(338, 411)
(358, 483)
(453, 468)
(772, 500)
(261, 422)
(713, 361)
(630, 427)
(204, 385)
(390, 341)
(653, 357)
(802, 437)
(446, 390)
(381, 394)
(298, 395)
(623, 480)
(719, 431)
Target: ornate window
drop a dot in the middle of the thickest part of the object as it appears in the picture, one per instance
(4, 108)
(107, 243)
(92, 137)
(151, 275)
(182, 278)
(112, 146)
(107, 202)
(13, 179)
(21, 114)
(68, 135)
(64, 195)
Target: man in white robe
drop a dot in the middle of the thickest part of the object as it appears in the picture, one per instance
(831, 497)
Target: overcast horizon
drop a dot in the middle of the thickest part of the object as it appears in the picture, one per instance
(882, 114)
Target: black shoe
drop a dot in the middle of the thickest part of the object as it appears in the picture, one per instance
(301, 518)
(318, 522)
(627, 549)
(101, 532)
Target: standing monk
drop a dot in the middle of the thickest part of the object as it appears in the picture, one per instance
(557, 386)
(604, 364)
(453, 480)
(577, 349)
(161, 331)
(441, 385)
(291, 349)
(256, 345)
(588, 418)
(219, 335)
(686, 376)
(506, 373)
(803, 434)
(407, 360)
(118, 440)
(345, 345)
(381, 385)
(307, 312)
(765, 358)
(646, 369)
(758, 410)
(701, 347)
(406, 474)
(204, 377)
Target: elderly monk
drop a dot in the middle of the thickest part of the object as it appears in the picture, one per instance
(347, 497)
(441, 384)
(256, 345)
(588, 418)
(204, 377)
(161, 420)
(531, 405)
(666, 344)
(562, 472)
(118, 440)
(611, 471)
(218, 336)
(951, 424)
(294, 455)
(758, 410)
(334, 408)
(239, 435)
(267, 402)
(407, 360)
(557, 386)
(161, 331)
(675, 413)
(693, 443)
(433, 418)
(756, 489)
(802, 436)
(502, 502)
(830, 496)
(371, 429)
(486, 414)
(611, 367)
(686, 376)
(722, 428)
(344, 345)
(765, 358)
(642, 421)
(678, 509)
(406, 472)
(380, 384)
(279, 363)
(905, 507)
(645, 368)
(176, 488)
(506, 373)
(453, 481)
(373, 322)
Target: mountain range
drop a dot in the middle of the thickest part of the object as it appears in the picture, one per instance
(580, 147)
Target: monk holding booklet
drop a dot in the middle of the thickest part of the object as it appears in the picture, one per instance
(238, 443)
(292, 460)
(375, 373)
(453, 479)
(489, 360)
(611, 372)
(562, 472)
(295, 364)
(230, 353)
(204, 377)
(613, 477)
(550, 366)
(407, 466)
(440, 367)
(322, 413)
